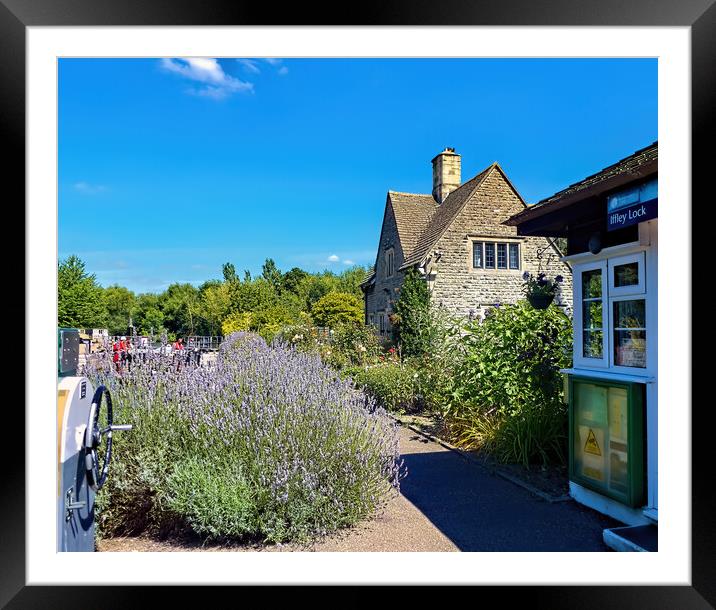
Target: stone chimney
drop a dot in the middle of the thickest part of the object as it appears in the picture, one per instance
(446, 174)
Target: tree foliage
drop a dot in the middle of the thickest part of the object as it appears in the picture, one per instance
(80, 300)
(121, 307)
(413, 322)
(263, 304)
(336, 308)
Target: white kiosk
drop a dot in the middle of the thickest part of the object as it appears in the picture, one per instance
(610, 220)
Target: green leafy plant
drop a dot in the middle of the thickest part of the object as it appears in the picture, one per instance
(412, 321)
(393, 385)
(507, 391)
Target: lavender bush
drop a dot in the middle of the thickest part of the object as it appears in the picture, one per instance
(267, 442)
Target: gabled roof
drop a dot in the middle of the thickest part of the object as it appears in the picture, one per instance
(413, 214)
(640, 163)
(421, 221)
(444, 214)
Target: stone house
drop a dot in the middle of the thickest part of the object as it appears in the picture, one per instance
(456, 238)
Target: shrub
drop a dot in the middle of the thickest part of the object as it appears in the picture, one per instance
(507, 393)
(393, 385)
(353, 344)
(337, 308)
(236, 322)
(412, 320)
(267, 442)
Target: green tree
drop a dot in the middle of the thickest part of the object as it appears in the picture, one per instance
(412, 322)
(292, 280)
(121, 305)
(337, 308)
(181, 308)
(271, 274)
(80, 300)
(316, 286)
(229, 272)
(148, 315)
(349, 281)
(251, 295)
(216, 301)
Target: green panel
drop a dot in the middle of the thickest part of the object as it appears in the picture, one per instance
(606, 438)
(68, 351)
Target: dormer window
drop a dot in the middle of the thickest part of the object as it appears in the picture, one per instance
(389, 262)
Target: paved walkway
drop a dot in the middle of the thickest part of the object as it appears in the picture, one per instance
(447, 504)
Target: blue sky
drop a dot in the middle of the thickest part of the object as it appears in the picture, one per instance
(169, 168)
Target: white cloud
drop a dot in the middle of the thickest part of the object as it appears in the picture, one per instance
(215, 83)
(89, 189)
(283, 70)
(333, 258)
(274, 61)
(249, 65)
(348, 262)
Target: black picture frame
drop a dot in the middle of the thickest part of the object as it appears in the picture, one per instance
(700, 15)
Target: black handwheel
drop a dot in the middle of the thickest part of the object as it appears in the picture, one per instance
(93, 439)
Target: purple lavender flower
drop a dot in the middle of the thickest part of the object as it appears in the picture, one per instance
(280, 418)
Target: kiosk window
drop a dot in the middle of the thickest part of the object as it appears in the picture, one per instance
(630, 333)
(626, 275)
(592, 314)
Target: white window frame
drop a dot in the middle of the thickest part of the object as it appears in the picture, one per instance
(578, 355)
(633, 370)
(640, 287)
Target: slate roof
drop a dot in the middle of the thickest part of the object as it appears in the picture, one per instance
(443, 216)
(628, 165)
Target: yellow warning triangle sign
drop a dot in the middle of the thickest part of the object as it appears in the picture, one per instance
(591, 446)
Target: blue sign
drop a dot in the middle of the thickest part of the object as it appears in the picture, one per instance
(638, 212)
(632, 205)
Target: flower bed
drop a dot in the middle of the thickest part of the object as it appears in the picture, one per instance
(269, 442)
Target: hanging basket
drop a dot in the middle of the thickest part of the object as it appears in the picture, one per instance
(540, 301)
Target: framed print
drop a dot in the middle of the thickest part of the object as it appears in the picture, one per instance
(62, 63)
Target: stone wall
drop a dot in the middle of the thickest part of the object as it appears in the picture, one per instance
(384, 293)
(459, 287)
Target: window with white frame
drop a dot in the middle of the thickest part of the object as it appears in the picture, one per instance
(610, 323)
(495, 255)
